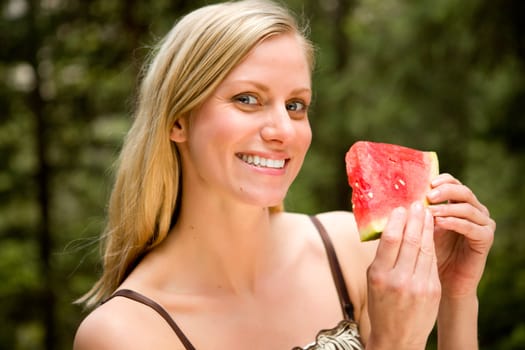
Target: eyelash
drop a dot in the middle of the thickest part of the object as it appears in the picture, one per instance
(303, 108)
(241, 97)
(245, 100)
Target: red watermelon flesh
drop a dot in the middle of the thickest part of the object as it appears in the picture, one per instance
(383, 177)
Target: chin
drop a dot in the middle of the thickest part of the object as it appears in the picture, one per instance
(266, 202)
(262, 195)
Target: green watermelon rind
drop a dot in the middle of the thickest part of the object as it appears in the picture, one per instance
(373, 230)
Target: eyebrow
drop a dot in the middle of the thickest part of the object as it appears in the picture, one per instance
(266, 88)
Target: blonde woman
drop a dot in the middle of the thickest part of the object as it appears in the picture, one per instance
(198, 251)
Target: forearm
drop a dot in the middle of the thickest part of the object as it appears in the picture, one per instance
(458, 324)
(389, 345)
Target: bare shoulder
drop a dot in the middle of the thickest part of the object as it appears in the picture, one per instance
(342, 228)
(124, 324)
(354, 256)
(104, 328)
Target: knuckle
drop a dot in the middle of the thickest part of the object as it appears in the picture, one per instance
(492, 225)
(469, 192)
(412, 240)
(400, 283)
(390, 239)
(490, 231)
(396, 283)
(436, 291)
(426, 291)
(447, 176)
(472, 211)
(485, 210)
(467, 227)
(426, 250)
(419, 291)
(376, 277)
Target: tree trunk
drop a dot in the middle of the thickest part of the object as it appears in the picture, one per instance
(42, 179)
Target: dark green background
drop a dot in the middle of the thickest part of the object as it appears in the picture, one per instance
(445, 75)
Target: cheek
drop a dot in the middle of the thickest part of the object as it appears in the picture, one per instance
(207, 128)
(305, 135)
(216, 122)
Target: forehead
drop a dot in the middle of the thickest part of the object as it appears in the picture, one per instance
(281, 54)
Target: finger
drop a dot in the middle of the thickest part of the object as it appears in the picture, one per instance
(435, 283)
(460, 210)
(472, 231)
(388, 248)
(427, 253)
(455, 193)
(411, 243)
(444, 178)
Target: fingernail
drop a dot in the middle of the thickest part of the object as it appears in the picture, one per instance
(417, 206)
(399, 210)
(436, 181)
(432, 195)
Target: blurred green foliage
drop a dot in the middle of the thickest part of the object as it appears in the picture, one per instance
(441, 75)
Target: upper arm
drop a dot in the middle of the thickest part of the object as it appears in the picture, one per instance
(106, 328)
(121, 324)
(95, 332)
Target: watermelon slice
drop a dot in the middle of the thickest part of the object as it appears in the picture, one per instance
(383, 177)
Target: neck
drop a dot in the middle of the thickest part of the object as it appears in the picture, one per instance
(230, 250)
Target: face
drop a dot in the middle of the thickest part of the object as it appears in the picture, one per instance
(248, 140)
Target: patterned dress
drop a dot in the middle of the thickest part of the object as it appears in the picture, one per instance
(343, 337)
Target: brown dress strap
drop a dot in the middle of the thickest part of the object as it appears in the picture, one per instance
(130, 294)
(337, 274)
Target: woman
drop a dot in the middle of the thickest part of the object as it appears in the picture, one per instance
(198, 252)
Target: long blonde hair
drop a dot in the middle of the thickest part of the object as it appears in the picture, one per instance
(187, 66)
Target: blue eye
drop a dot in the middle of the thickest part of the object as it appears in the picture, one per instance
(296, 106)
(246, 99)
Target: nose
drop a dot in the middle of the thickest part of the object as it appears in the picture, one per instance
(278, 126)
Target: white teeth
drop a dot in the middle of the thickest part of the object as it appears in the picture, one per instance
(263, 162)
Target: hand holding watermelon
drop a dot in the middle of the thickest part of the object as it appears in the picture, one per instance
(464, 235)
(403, 282)
(413, 261)
(386, 176)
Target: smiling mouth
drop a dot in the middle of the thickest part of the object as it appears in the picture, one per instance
(262, 162)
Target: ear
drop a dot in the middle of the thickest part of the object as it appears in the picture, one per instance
(179, 130)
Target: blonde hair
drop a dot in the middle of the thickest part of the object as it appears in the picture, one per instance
(190, 62)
